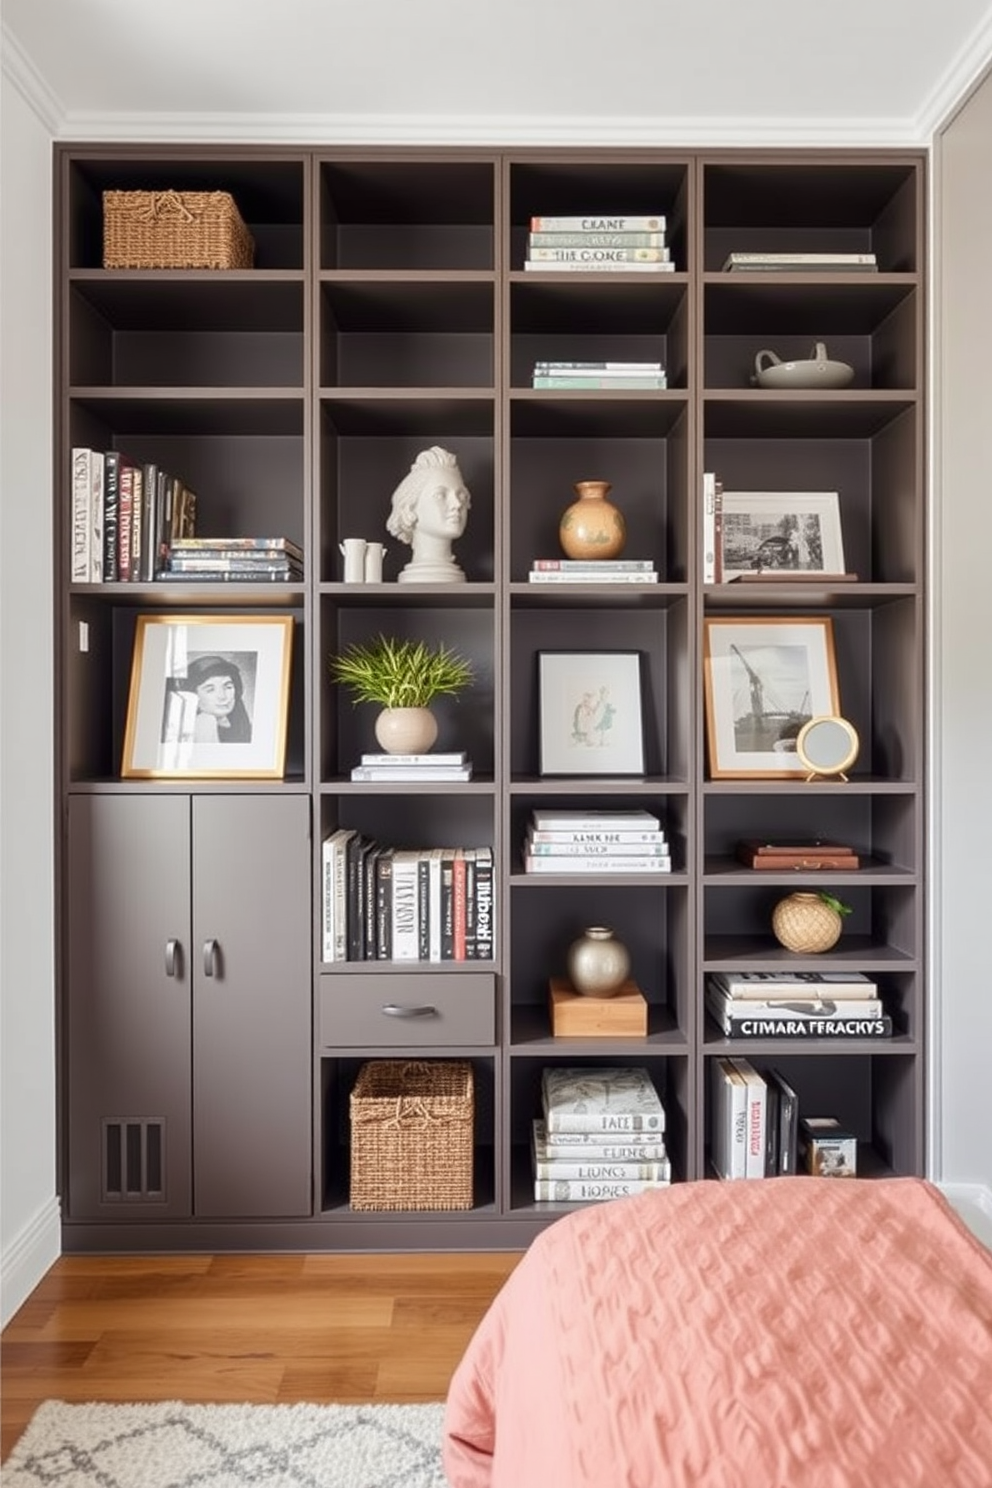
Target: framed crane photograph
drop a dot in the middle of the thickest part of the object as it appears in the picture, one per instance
(764, 678)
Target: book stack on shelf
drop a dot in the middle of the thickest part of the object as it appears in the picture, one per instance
(565, 841)
(749, 263)
(593, 571)
(602, 1135)
(604, 376)
(805, 1004)
(754, 1121)
(455, 765)
(383, 903)
(249, 560)
(126, 517)
(624, 243)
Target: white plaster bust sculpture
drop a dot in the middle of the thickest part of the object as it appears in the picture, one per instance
(430, 510)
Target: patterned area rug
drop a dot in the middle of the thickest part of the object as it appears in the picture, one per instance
(171, 1445)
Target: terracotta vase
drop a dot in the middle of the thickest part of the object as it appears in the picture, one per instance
(805, 923)
(592, 527)
(597, 962)
(406, 730)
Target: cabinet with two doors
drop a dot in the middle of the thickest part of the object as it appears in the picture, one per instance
(393, 306)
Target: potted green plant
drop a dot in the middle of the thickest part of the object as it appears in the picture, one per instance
(404, 678)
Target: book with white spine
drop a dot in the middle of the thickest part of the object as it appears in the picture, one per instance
(756, 1110)
(576, 1190)
(593, 820)
(623, 864)
(405, 915)
(588, 577)
(600, 1098)
(618, 222)
(601, 268)
(590, 238)
(637, 1147)
(596, 849)
(728, 1125)
(551, 1162)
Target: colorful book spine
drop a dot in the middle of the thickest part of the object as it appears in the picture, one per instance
(111, 488)
(594, 565)
(619, 579)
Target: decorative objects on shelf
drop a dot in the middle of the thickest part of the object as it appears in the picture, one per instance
(808, 922)
(764, 677)
(429, 512)
(411, 1134)
(590, 718)
(592, 527)
(815, 371)
(597, 962)
(209, 697)
(404, 677)
(779, 535)
(827, 746)
(174, 230)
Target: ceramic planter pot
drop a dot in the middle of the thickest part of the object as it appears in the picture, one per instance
(406, 730)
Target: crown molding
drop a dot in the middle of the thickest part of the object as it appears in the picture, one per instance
(534, 130)
(18, 69)
(966, 71)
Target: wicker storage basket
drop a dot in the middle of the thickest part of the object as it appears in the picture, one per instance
(411, 1135)
(174, 230)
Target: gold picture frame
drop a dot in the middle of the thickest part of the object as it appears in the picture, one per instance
(209, 697)
(764, 678)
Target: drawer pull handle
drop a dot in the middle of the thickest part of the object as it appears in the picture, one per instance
(397, 1010)
(173, 952)
(211, 958)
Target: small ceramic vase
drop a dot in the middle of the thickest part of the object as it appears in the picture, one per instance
(592, 527)
(406, 730)
(804, 922)
(597, 962)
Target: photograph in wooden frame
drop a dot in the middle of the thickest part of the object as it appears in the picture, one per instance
(590, 713)
(764, 677)
(208, 698)
(780, 534)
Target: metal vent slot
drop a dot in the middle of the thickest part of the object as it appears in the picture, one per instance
(133, 1166)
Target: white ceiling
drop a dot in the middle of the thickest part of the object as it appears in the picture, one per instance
(649, 71)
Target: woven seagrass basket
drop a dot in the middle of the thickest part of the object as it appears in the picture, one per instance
(174, 230)
(411, 1135)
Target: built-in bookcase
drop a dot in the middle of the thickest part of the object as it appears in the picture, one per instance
(389, 310)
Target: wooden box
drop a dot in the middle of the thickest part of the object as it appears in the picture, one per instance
(625, 1015)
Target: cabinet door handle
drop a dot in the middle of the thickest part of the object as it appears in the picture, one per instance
(173, 957)
(398, 1010)
(211, 958)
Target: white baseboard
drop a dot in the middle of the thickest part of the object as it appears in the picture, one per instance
(24, 1262)
(973, 1201)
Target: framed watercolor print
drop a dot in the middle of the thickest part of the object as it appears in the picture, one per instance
(780, 533)
(209, 697)
(590, 713)
(763, 680)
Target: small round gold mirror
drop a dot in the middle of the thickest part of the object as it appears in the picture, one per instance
(827, 746)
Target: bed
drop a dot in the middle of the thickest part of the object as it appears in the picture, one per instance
(781, 1333)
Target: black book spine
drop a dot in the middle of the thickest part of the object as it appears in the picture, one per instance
(353, 867)
(370, 936)
(384, 906)
(484, 905)
(448, 907)
(423, 907)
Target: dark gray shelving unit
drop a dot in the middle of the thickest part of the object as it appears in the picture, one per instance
(389, 310)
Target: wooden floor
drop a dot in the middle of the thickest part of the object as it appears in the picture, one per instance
(243, 1328)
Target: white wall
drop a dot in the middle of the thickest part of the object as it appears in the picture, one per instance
(962, 689)
(29, 1220)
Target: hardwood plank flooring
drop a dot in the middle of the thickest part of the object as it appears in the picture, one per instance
(261, 1329)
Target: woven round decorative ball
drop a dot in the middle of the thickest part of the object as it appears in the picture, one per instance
(804, 922)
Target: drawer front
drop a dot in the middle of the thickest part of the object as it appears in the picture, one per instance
(407, 1011)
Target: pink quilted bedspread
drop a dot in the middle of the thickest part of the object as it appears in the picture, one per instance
(785, 1333)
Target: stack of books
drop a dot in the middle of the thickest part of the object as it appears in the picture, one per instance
(239, 559)
(789, 1004)
(754, 1121)
(126, 517)
(564, 841)
(602, 1135)
(453, 766)
(605, 376)
(593, 571)
(750, 263)
(632, 242)
(386, 903)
